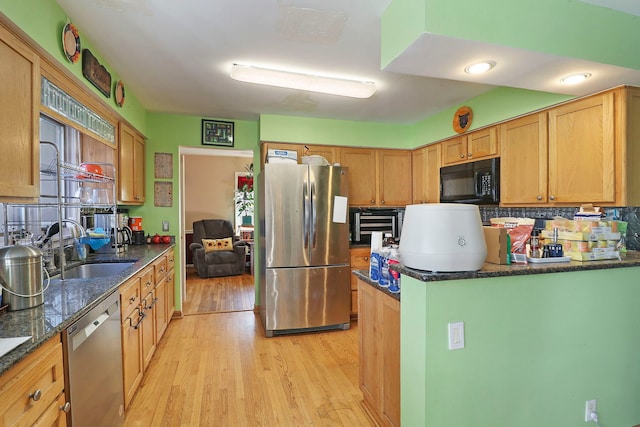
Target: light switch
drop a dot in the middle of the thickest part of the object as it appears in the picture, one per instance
(456, 335)
(165, 225)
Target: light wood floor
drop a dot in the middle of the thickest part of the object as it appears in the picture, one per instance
(219, 370)
(218, 294)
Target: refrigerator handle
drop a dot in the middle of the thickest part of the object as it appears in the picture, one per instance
(305, 214)
(314, 216)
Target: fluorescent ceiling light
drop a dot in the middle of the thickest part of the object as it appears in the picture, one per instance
(575, 78)
(307, 82)
(480, 67)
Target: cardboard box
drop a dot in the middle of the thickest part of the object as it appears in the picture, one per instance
(497, 251)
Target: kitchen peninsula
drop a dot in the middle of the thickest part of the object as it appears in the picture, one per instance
(539, 341)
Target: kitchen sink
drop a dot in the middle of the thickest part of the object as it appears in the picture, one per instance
(90, 271)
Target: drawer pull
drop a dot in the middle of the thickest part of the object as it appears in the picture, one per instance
(147, 284)
(36, 395)
(66, 407)
(366, 258)
(132, 300)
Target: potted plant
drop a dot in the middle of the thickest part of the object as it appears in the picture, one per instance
(244, 201)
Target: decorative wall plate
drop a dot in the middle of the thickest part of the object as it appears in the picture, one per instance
(118, 93)
(71, 42)
(462, 119)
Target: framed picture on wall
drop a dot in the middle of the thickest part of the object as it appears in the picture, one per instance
(216, 132)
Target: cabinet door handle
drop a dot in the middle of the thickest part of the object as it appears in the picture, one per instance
(366, 258)
(373, 201)
(539, 197)
(382, 202)
(66, 407)
(469, 155)
(132, 300)
(36, 395)
(552, 197)
(462, 156)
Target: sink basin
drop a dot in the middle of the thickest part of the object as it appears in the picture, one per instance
(90, 271)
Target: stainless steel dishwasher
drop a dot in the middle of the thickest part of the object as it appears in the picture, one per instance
(93, 356)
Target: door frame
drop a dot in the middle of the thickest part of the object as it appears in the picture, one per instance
(195, 151)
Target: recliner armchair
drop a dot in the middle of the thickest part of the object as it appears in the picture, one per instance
(216, 263)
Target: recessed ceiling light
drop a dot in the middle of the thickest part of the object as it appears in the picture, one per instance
(307, 82)
(480, 67)
(575, 78)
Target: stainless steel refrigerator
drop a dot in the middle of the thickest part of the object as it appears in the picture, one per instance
(304, 248)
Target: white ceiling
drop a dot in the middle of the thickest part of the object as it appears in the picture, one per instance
(175, 56)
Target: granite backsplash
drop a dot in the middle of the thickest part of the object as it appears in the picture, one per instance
(629, 214)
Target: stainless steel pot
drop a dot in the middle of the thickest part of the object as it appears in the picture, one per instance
(21, 277)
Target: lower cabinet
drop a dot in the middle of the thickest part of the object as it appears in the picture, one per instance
(32, 391)
(147, 304)
(379, 344)
(359, 261)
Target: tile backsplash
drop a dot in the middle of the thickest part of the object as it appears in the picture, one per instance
(629, 214)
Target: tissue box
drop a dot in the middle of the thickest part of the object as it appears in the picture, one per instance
(497, 250)
(282, 156)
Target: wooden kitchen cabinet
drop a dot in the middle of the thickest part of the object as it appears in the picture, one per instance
(40, 373)
(425, 167)
(582, 147)
(131, 335)
(362, 174)
(19, 119)
(377, 177)
(582, 151)
(379, 345)
(477, 145)
(523, 160)
(130, 166)
(164, 289)
(359, 261)
(149, 308)
(394, 177)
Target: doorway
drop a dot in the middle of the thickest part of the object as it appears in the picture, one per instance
(207, 186)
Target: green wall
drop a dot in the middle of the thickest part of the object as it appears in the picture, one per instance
(167, 133)
(43, 21)
(536, 348)
(560, 27)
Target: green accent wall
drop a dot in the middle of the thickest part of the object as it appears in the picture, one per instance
(536, 348)
(561, 27)
(43, 21)
(167, 133)
(334, 132)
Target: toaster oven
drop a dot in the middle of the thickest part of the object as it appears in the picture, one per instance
(365, 221)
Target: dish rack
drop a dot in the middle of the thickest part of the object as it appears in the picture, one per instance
(67, 191)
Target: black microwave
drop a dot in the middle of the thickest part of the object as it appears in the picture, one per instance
(475, 182)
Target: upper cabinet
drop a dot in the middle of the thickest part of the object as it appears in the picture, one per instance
(523, 160)
(362, 174)
(583, 151)
(426, 162)
(377, 177)
(19, 118)
(476, 145)
(130, 166)
(582, 145)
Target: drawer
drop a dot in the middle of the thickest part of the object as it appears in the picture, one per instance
(40, 375)
(170, 260)
(129, 296)
(360, 258)
(160, 268)
(146, 280)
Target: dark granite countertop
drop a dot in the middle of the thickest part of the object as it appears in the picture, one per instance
(364, 276)
(632, 259)
(67, 301)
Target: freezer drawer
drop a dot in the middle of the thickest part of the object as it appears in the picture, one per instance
(305, 298)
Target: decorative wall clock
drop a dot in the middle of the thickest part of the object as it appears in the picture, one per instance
(462, 119)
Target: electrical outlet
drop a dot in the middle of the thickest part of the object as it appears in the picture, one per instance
(589, 408)
(165, 225)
